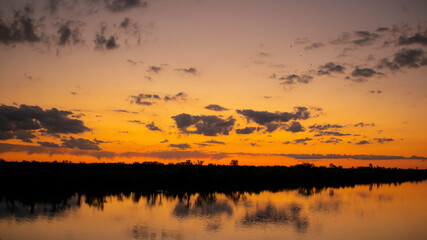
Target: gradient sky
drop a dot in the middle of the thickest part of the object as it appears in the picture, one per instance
(263, 82)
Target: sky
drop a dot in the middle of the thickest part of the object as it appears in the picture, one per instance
(262, 82)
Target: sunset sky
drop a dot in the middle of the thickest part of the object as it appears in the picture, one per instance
(263, 82)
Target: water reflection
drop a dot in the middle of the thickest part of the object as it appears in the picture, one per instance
(271, 214)
(292, 213)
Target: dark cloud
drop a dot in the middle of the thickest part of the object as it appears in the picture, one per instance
(333, 140)
(124, 5)
(382, 29)
(293, 79)
(375, 91)
(342, 39)
(363, 72)
(167, 155)
(345, 156)
(417, 38)
(179, 96)
(331, 133)
(329, 68)
(22, 29)
(123, 111)
(363, 142)
(362, 124)
(295, 127)
(264, 117)
(154, 69)
(314, 45)
(69, 33)
(52, 5)
(365, 38)
(206, 125)
(164, 141)
(104, 42)
(21, 122)
(263, 54)
(410, 58)
(299, 141)
(135, 121)
(152, 127)
(48, 144)
(319, 127)
(190, 70)
(24, 136)
(246, 130)
(214, 142)
(273, 126)
(130, 61)
(80, 143)
(383, 140)
(215, 107)
(181, 146)
(31, 149)
(125, 23)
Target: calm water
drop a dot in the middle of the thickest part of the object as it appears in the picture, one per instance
(362, 212)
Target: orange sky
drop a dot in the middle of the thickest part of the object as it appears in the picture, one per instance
(263, 82)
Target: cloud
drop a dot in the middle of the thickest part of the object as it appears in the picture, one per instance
(246, 130)
(294, 79)
(167, 155)
(342, 39)
(69, 33)
(123, 111)
(329, 68)
(263, 54)
(264, 117)
(103, 42)
(319, 127)
(31, 149)
(333, 140)
(344, 156)
(363, 142)
(80, 143)
(179, 96)
(417, 38)
(207, 125)
(362, 124)
(383, 140)
(21, 122)
(382, 29)
(138, 99)
(125, 23)
(295, 127)
(181, 146)
(365, 38)
(363, 72)
(124, 5)
(375, 91)
(331, 133)
(410, 58)
(22, 29)
(154, 69)
(299, 141)
(360, 75)
(215, 142)
(48, 144)
(135, 121)
(190, 70)
(314, 45)
(215, 107)
(152, 127)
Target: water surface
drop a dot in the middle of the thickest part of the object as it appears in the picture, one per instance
(360, 212)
